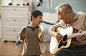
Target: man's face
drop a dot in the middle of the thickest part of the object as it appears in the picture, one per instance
(62, 15)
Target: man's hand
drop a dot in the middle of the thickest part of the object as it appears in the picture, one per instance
(58, 36)
(80, 37)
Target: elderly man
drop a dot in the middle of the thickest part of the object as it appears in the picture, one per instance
(76, 20)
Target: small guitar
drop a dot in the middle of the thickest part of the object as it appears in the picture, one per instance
(65, 42)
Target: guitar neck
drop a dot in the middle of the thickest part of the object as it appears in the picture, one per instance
(73, 35)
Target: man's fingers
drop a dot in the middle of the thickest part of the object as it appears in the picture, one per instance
(80, 31)
(59, 37)
(59, 34)
(80, 37)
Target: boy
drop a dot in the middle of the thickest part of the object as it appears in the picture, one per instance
(29, 35)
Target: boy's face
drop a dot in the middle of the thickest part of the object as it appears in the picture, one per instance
(38, 20)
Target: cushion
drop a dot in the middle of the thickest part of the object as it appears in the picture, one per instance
(46, 26)
(50, 17)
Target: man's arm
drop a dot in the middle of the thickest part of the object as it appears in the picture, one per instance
(52, 32)
(85, 25)
(82, 37)
(57, 35)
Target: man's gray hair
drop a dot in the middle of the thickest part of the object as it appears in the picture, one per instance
(63, 7)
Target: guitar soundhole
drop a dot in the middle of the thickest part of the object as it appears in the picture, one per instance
(65, 38)
(63, 42)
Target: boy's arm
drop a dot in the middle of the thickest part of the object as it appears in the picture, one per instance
(22, 35)
(19, 37)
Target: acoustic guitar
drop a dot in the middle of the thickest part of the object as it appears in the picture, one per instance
(66, 41)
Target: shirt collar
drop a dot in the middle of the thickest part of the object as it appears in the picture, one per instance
(74, 19)
(75, 16)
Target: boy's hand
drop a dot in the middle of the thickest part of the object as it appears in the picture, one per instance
(41, 39)
(19, 34)
(19, 37)
(21, 40)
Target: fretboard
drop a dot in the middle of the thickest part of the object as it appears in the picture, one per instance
(73, 35)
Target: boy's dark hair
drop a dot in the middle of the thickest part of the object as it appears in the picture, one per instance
(34, 13)
(40, 0)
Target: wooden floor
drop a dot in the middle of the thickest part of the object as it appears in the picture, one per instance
(10, 49)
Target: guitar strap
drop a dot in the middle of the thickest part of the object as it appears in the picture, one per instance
(40, 31)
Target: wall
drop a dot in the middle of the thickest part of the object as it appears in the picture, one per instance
(0, 19)
(77, 5)
(0, 7)
(0, 27)
(5, 2)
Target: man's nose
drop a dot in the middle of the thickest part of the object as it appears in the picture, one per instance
(59, 17)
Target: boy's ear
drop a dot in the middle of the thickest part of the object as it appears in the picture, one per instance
(33, 17)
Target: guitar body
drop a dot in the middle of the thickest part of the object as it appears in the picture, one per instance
(56, 45)
(73, 43)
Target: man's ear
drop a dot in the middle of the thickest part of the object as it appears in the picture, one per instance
(67, 12)
(33, 17)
